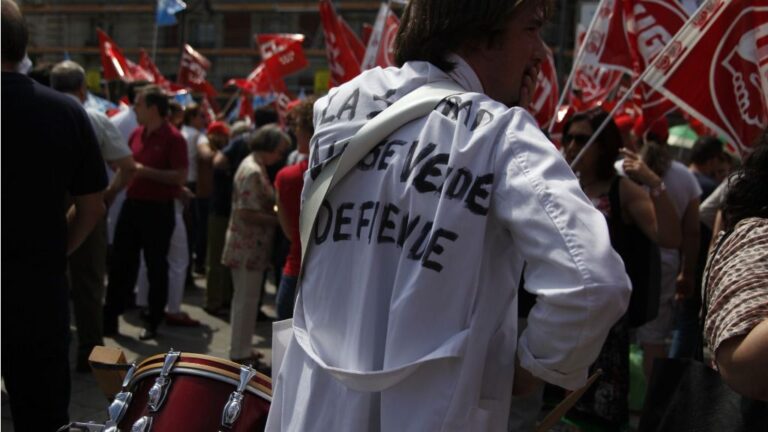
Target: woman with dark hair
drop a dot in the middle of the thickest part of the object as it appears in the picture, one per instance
(736, 283)
(626, 206)
(248, 242)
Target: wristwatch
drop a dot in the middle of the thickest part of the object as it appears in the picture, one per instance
(656, 191)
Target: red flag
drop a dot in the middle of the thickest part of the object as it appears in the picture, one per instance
(147, 64)
(606, 44)
(282, 53)
(207, 106)
(650, 25)
(112, 59)
(546, 95)
(380, 50)
(367, 30)
(259, 81)
(245, 110)
(138, 73)
(593, 83)
(193, 69)
(725, 46)
(358, 48)
(341, 59)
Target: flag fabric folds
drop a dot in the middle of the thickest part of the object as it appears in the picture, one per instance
(725, 46)
(380, 50)
(341, 59)
(167, 10)
(193, 69)
(282, 53)
(546, 94)
(113, 61)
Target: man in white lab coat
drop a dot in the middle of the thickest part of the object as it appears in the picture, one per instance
(407, 313)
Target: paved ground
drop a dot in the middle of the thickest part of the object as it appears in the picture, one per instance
(211, 337)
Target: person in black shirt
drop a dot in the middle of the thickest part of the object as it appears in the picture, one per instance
(51, 159)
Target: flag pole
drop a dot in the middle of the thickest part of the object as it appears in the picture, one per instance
(154, 44)
(577, 60)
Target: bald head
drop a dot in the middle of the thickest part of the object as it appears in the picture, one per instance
(14, 35)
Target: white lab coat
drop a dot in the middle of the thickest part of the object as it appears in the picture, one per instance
(407, 317)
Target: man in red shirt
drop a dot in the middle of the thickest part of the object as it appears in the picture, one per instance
(289, 183)
(146, 220)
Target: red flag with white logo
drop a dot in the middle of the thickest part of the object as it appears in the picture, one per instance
(650, 25)
(595, 83)
(282, 53)
(725, 47)
(147, 64)
(113, 61)
(380, 50)
(606, 42)
(546, 94)
(341, 59)
(138, 73)
(193, 70)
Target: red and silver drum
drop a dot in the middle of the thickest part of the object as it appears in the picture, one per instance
(192, 392)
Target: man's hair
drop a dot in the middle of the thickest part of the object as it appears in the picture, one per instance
(154, 96)
(705, 149)
(432, 29)
(14, 32)
(67, 77)
(267, 138)
(191, 112)
(607, 143)
(264, 116)
(746, 195)
(302, 115)
(132, 88)
(42, 73)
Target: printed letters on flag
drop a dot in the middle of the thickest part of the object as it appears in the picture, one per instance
(193, 69)
(112, 59)
(380, 50)
(650, 25)
(167, 10)
(282, 53)
(606, 44)
(725, 46)
(546, 94)
(341, 59)
(593, 83)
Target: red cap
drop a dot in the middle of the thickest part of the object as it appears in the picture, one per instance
(218, 127)
(624, 122)
(660, 128)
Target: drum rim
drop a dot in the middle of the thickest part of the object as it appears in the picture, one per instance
(145, 368)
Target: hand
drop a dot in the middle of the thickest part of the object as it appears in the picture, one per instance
(186, 196)
(528, 86)
(637, 170)
(139, 170)
(683, 287)
(525, 383)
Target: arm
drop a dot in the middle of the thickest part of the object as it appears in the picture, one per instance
(579, 280)
(176, 177)
(667, 231)
(204, 150)
(642, 211)
(283, 218)
(125, 169)
(742, 360)
(221, 161)
(86, 212)
(690, 250)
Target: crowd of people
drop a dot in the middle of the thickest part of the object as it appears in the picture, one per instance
(412, 313)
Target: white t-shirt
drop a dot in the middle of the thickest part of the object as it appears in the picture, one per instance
(191, 135)
(125, 121)
(112, 144)
(407, 315)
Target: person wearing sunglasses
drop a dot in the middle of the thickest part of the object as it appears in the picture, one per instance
(627, 207)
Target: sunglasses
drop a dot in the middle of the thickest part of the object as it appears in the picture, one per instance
(580, 139)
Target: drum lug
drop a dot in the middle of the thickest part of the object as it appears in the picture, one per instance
(160, 388)
(235, 403)
(143, 424)
(119, 405)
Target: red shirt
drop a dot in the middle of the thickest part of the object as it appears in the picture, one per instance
(163, 149)
(289, 182)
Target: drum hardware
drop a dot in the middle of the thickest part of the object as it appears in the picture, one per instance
(119, 405)
(80, 426)
(235, 403)
(159, 390)
(142, 424)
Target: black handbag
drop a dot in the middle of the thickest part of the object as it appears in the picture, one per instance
(687, 395)
(642, 262)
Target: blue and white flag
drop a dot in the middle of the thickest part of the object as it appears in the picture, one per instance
(166, 11)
